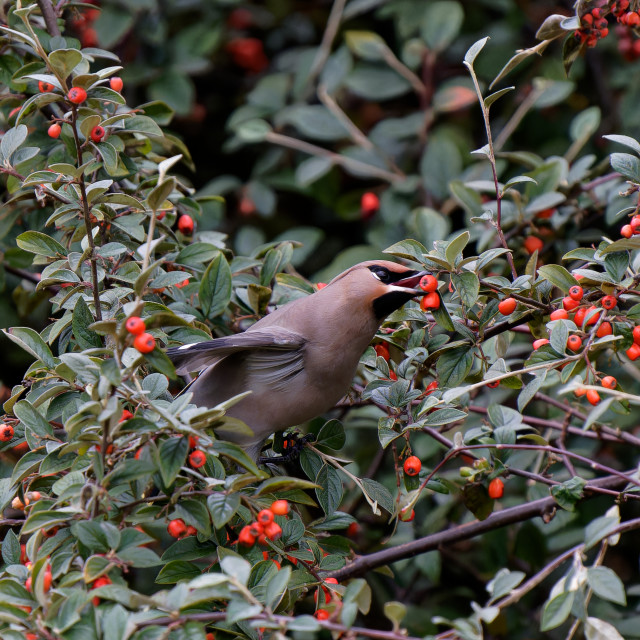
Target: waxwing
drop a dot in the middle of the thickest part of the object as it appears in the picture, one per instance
(299, 360)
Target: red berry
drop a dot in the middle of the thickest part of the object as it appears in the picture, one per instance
(412, 466)
(532, 244)
(593, 313)
(580, 392)
(604, 329)
(507, 306)
(321, 614)
(382, 351)
(574, 342)
(54, 130)
(273, 531)
(369, 204)
(126, 414)
(116, 83)
(539, 343)
(47, 579)
(97, 133)
(609, 382)
(353, 529)
(101, 582)
(246, 538)
(28, 584)
(593, 396)
(429, 283)
(145, 343)
(632, 19)
(634, 223)
(280, 507)
(626, 231)
(609, 302)
(193, 442)
(576, 293)
(77, 95)
(430, 301)
(580, 316)
(135, 325)
(496, 488)
(407, 517)
(248, 53)
(45, 87)
(177, 528)
(633, 352)
(185, 224)
(493, 385)
(256, 529)
(545, 214)
(191, 531)
(569, 304)
(265, 516)
(197, 458)
(559, 314)
(6, 432)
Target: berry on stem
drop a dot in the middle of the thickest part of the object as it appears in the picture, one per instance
(507, 306)
(609, 302)
(177, 528)
(185, 224)
(6, 432)
(574, 342)
(412, 466)
(569, 304)
(428, 283)
(626, 231)
(77, 95)
(593, 396)
(54, 130)
(144, 343)
(135, 325)
(45, 87)
(97, 133)
(116, 83)
(633, 352)
(197, 458)
(430, 301)
(246, 538)
(369, 204)
(496, 488)
(604, 329)
(576, 293)
(539, 343)
(533, 244)
(609, 382)
(265, 516)
(280, 507)
(382, 351)
(559, 314)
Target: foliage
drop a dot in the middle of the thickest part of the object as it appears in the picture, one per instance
(98, 222)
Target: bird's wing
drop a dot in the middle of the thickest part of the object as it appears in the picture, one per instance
(271, 350)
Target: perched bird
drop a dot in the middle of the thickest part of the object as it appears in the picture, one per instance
(299, 360)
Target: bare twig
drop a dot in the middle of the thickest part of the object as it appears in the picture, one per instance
(50, 17)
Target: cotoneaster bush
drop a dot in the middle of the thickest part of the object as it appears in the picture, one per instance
(502, 478)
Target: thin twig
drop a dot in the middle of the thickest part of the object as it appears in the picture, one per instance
(50, 17)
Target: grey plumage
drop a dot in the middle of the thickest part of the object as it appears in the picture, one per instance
(300, 359)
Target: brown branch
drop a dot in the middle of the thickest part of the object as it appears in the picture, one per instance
(496, 520)
(50, 17)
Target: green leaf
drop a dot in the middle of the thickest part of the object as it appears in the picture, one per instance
(82, 318)
(490, 99)
(91, 535)
(64, 61)
(222, 507)
(195, 513)
(11, 548)
(43, 520)
(442, 317)
(215, 288)
(441, 24)
(378, 493)
(366, 44)
(332, 435)
(558, 276)
(160, 193)
(627, 165)
(30, 418)
(283, 483)
(598, 529)
(40, 244)
(159, 360)
(596, 629)
(12, 140)
(172, 455)
(395, 612)
(329, 493)
(31, 342)
(468, 287)
(606, 584)
(569, 492)
(177, 570)
(453, 366)
(237, 454)
(473, 51)
(454, 249)
(627, 141)
(557, 610)
(277, 587)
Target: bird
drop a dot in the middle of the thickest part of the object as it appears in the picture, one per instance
(299, 360)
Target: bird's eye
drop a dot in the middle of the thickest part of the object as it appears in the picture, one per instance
(381, 274)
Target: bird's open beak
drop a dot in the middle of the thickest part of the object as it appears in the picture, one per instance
(412, 282)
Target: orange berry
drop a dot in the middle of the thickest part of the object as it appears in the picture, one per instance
(177, 528)
(191, 531)
(116, 83)
(609, 382)
(626, 231)
(593, 314)
(496, 488)
(576, 293)
(145, 343)
(6, 432)
(45, 87)
(593, 396)
(280, 507)
(47, 579)
(77, 95)
(636, 334)
(407, 517)
(273, 531)
(580, 392)
(580, 316)
(559, 314)
(193, 442)
(507, 306)
(604, 329)
(197, 458)
(533, 244)
(494, 384)
(412, 466)
(428, 283)
(539, 343)
(574, 342)
(322, 614)
(256, 529)
(54, 130)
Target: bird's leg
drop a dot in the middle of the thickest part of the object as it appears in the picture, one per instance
(291, 444)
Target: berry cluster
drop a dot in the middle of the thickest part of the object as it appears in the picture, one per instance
(178, 529)
(620, 10)
(429, 284)
(264, 527)
(633, 228)
(594, 26)
(144, 342)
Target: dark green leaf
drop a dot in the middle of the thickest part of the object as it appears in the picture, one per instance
(215, 288)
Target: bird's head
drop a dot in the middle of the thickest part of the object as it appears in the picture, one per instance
(383, 285)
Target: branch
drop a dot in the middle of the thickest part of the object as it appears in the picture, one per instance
(496, 520)
(50, 17)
